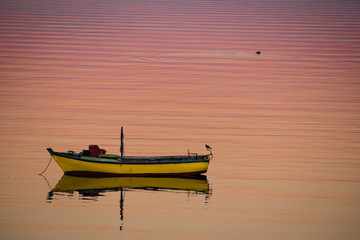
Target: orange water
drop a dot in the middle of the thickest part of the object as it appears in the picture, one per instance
(284, 124)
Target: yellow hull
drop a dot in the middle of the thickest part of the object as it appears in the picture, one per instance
(76, 166)
(70, 183)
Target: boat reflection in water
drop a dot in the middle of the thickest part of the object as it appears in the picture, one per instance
(90, 188)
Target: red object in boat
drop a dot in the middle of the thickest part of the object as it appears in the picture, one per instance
(95, 151)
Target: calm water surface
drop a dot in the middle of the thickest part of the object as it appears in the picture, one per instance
(284, 124)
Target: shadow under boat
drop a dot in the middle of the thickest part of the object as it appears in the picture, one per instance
(197, 184)
(90, 188)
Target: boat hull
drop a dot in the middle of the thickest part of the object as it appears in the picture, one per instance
(81, 167)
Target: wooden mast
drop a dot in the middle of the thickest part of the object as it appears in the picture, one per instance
(122, 142)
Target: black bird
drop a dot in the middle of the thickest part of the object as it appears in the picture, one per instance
(258, 52)
(208, 147)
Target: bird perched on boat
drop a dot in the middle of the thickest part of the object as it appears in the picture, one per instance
(208, 147)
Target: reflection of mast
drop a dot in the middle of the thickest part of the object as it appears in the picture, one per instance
(122, 196)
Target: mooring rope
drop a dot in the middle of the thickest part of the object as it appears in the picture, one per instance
(46, 166)
(47, 181)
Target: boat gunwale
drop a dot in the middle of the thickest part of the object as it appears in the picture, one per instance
(106, 174)
(138, 160)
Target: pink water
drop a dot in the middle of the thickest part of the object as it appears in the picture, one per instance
(284, 125)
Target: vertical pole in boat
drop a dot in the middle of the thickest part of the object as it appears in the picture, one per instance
(122, 143)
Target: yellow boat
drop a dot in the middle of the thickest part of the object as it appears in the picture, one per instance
(77, 164)
(95, 161)
(105, 164)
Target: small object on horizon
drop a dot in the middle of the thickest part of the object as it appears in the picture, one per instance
(258, 52)
(208, 147)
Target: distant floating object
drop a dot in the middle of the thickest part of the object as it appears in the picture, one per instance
(258, 52)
